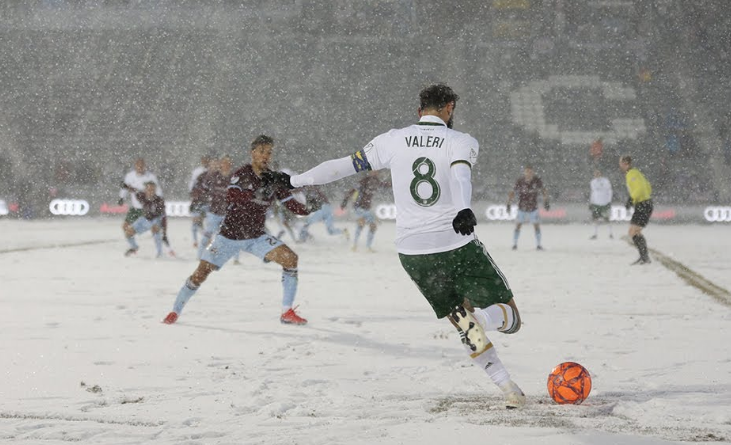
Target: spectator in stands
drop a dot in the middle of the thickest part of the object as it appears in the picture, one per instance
(724, 131)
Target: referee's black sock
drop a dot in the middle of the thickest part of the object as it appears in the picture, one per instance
(641, 244)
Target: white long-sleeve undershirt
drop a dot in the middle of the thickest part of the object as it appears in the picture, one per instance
(461, 186)
(325, 173)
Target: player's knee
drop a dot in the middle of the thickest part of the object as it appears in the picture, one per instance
(291, 260)
(155, 229)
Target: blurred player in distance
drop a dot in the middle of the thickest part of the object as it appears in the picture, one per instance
(640, 196)
(600, 202)
(362, 206)
(197, 211)
(135, 180)
(249, 196)
(431, 171)
(320, 210)
(213, 186)
(527, 188)
(153, 210)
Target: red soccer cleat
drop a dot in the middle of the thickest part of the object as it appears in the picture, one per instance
(171, 318)
(291, 317)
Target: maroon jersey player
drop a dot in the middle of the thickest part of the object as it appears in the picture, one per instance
(364, 192)
(243, 228)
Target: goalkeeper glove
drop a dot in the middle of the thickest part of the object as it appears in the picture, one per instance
(276, 179)
(464, 222)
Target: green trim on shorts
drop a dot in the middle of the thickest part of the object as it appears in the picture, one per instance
(446, 279)
(133, 215)
(598, 211)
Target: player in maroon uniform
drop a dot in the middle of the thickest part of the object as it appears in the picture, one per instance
(527, 188)
(249, 197)
(320, 210)
(362, 206)
(153, 212)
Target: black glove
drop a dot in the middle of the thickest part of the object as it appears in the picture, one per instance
(546, 205)
(276, 179)
(120, 202)
(508, 207)
(628, 204)
(464, 222)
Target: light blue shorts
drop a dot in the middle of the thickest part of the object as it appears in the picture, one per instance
(142, 224)
(528, 217)
(369, 216)
(223, 249)
(199, 210)
(213, 223)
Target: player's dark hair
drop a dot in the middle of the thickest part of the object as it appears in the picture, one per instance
(437, 96)
(262, 139)
(626, 159)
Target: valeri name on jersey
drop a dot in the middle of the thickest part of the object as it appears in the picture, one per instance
(424, 141)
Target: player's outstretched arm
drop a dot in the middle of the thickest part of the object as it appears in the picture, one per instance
(461, 186)
(328, 171)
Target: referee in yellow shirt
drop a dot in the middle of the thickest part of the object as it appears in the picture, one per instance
(640, 196)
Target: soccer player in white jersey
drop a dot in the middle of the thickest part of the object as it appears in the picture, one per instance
(431, 168)
(136, 180)
(600, 202)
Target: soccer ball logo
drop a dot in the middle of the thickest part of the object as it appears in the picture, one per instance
(569, 382)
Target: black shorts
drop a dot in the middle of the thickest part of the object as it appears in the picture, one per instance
(643, 210)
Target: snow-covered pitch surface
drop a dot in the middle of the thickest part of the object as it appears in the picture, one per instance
(86, 359)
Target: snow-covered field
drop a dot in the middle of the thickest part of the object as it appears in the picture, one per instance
(86, 359)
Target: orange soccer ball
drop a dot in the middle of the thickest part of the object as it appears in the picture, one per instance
(569, 382)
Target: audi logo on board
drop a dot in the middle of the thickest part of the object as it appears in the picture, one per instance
(717, 214)
(69, 207)
(500, 213)
(177, 208)
(620, 213)
(386, 211)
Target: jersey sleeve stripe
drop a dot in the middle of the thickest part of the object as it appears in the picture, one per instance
(461, 161)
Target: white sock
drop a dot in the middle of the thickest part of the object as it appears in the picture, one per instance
(498, 317)
(491, 364)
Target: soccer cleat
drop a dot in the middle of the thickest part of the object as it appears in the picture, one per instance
(514, 396)
(539, 248)
(130, 252)
(611, 236)
(471, 332)
(515, 247)
(354, 248)
(346, 234)
(593, 237)
(291, 317)
(171, 318)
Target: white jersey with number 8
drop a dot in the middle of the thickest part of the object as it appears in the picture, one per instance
(420, 157)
